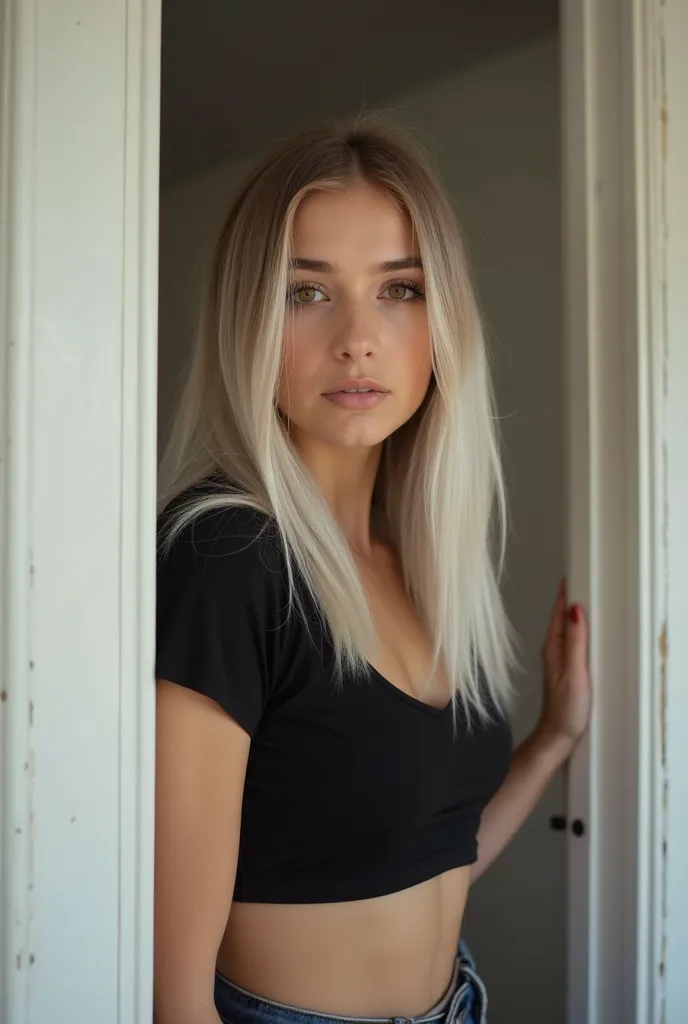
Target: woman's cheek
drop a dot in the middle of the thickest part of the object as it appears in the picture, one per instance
(294, 374)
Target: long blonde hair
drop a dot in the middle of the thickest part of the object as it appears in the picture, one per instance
(439, 491)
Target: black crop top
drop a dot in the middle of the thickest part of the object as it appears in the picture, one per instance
(350, 793)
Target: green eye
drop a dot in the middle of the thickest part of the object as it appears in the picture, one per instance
(399, 289)
(304, 294)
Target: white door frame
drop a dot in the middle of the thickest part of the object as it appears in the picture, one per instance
(78, 367)
(78, 317)
(624, 85)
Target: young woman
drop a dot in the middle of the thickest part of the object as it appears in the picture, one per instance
(334, 764)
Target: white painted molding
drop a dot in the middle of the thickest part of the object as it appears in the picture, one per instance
(644, 947)
(78, 309)
(672, 455)
(626, 225)
(601, 342)
(16, 403)
(138, 509)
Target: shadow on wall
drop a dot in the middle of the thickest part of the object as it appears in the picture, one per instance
(237, 74)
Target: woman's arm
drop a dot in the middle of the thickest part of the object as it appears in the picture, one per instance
(201, 756)
(535, 763)
(564, 720)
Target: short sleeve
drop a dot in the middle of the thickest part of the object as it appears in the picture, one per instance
(220, 605)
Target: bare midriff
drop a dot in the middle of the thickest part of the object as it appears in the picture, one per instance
(388, 956)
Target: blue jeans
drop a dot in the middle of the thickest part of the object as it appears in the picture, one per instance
(464, 1002)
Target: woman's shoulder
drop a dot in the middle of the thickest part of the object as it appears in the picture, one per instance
(221, 608)
(207, 530)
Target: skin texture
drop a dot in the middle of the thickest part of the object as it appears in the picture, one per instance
(391, 955)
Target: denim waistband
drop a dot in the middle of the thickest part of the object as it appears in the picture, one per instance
(464, 1002)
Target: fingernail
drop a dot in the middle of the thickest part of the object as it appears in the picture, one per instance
(574, 613)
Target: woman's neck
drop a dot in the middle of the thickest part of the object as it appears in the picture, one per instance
(346, 478)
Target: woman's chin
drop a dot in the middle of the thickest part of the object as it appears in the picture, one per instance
(350, 432)
(355, 436)
(353, 440)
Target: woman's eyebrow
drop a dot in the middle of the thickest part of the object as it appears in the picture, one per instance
(405, 263)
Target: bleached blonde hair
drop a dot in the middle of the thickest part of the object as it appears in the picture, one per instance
(439, 490)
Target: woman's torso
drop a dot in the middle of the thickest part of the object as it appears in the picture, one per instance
(386, 956)
(360, 806)
(382, 956)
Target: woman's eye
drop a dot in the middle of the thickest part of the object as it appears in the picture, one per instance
(397, 290)
(305, 295)
(311, 295)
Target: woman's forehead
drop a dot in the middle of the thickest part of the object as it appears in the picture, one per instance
(335, 226)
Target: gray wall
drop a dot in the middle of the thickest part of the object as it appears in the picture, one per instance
(191, 214)
(495, 127)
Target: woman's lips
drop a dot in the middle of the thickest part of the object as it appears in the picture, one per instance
(357, 400)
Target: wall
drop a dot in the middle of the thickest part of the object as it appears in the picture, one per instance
(190, 215)
(496, 133)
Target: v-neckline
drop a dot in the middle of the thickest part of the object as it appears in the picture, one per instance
(432, 708)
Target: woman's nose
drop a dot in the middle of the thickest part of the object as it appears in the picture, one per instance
(355, 337)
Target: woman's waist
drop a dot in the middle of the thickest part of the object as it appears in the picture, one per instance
(357, 958)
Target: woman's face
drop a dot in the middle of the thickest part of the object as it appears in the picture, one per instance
(353, 322)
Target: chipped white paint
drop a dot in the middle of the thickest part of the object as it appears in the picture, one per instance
(649, 155)
(674, 14)
(78, 281)
(16, 557)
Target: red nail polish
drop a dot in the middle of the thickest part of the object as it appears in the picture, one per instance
(575, 613)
